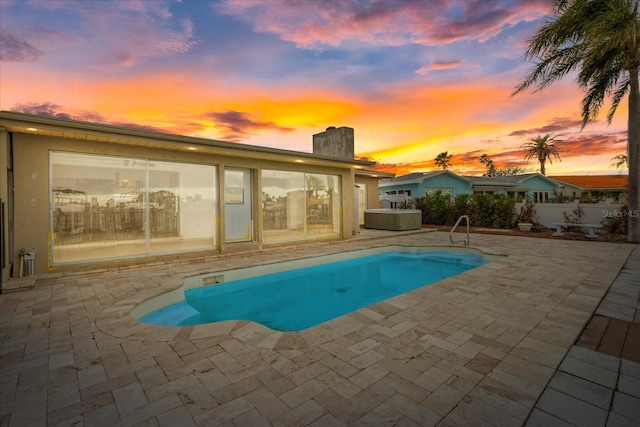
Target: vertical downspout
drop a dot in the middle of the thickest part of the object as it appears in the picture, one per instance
(10, 214)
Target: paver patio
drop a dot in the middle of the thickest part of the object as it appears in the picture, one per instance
(479, 348)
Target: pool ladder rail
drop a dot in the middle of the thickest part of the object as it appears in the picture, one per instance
(466, 242)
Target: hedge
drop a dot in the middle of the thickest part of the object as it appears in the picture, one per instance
(484, 210)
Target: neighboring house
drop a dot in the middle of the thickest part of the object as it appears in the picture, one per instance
(599, 187)
(419, 184)
(83, 193)
(534, 186)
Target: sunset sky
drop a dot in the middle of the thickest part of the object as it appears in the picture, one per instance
(413, 78)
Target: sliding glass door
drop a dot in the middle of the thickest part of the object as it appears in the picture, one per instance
(300, 206)
(107, 207)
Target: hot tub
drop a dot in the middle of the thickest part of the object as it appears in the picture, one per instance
(393, 219)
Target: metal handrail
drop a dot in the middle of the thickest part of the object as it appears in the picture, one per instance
(466, 242)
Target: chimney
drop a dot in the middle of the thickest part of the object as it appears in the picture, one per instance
(336, 142)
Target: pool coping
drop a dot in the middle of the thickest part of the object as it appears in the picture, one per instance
(216, 277)
(474, 351)
(121, 319)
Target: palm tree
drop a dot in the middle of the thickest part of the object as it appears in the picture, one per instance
(443, 160)
(542, 149)
(620, 161)
(600, 40)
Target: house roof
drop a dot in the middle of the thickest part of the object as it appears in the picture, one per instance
(595, 182)
(372, 173)
(486, 182)
(490, 181)
(417, 178)
(505, 181)
(57, 127)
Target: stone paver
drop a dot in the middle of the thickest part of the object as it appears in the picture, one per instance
(492, 346)
(598, 381)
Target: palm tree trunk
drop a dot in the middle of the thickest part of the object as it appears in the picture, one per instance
(633, 157)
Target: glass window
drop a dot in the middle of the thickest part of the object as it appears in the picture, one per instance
(182, 207)
(540, 196)
(322, 200)
(362, 201)
(299, 206)
(113, 207)
(443, 191)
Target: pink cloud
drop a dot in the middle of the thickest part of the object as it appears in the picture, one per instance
(113, 35)
(312, 24)
(437, 66)
(558, 124)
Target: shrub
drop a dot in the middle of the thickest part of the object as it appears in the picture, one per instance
(576, 215)
(494, 210)
(503, 211)
(461, 205)
(484, 210)
(527, 212)
(617, 224)
(433, 207)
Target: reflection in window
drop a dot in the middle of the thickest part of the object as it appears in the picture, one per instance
(299, 206)
(111, 207)
(362, 201)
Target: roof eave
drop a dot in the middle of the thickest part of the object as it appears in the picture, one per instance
(22, 123)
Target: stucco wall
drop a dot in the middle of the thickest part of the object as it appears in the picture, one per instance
(31, 164)
(31, 198)
(372, 190)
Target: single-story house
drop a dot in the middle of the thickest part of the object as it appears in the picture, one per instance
(419, 184)
(74, 193)
(602, 187)
(534, 185)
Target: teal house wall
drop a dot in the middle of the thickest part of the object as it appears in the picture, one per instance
(534, 186)
(419, 184)
(538, 183)
(445, 181)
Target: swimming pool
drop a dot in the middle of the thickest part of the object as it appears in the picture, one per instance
(297, 295)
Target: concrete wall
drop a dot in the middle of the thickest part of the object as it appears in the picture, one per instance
(548, 213)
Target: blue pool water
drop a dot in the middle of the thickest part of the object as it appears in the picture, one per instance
(298, 299)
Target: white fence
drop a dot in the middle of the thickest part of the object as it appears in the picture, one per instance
(546, 213)
(592, 213)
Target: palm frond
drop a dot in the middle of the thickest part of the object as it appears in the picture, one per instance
(598, 38)
(621, 91)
